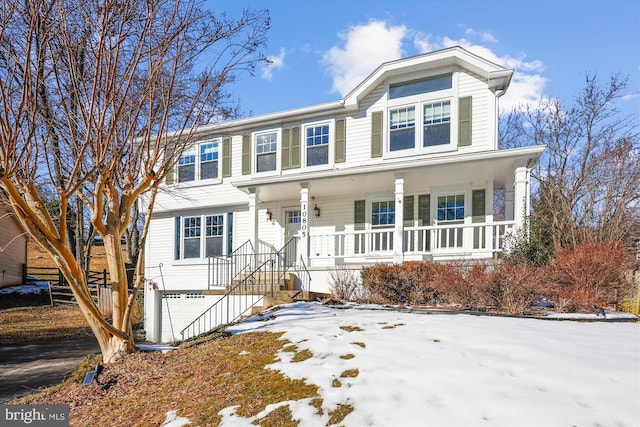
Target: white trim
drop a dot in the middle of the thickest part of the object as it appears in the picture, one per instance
(254, 152)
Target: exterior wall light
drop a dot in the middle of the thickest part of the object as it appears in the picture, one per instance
(269, 215)
(316, 211)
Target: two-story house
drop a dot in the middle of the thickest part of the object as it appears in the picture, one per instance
(405, 167)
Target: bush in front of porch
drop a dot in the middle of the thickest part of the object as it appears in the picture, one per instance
(587, 275)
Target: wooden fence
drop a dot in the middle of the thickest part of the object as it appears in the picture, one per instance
(60, 291)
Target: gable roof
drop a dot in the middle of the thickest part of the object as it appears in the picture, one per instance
(498, 77)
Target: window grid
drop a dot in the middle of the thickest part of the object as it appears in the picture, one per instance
(438, 112)
(450, 208)
(293, 217)
(215, 225)
(191, 227)
(266, 149)
(318, 145)
(383, 213)
(402, 118)
(267, 143)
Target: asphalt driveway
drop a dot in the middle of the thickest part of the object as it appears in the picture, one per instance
(25, 368)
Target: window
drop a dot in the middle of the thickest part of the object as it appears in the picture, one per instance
(317, 145)
(417, 87)
(215, 235)
(437, 118)
(450, 208)
(266, 149)
(191, 237)
(402, 128)
(383, 214)
(200, 162)
(187, 165)
(194, 242)
(209, 160)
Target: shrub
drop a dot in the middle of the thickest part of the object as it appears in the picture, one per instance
(512, 288)
(345, 285)
(464, 285)
(592, 273)
(413, 280)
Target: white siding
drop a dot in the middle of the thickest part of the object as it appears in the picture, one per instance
(13, 251)
(471, 85)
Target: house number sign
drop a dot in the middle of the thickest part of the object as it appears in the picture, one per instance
(303, 219)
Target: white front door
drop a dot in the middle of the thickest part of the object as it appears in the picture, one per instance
(292, 222)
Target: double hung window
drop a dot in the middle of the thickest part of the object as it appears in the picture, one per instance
(436, 122)
(402, 128)
(450, 210)
(202, 236)
(209, 160)
(199, 162)
(317, 143)
(187, 165)
(266, 152)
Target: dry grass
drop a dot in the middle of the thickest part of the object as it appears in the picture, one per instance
(302, 356)
(197, 381)
(359, 344)
(350, 373)
(338, 414)
(20, 325)
(351, 328)
(38, 257)
(347, 356)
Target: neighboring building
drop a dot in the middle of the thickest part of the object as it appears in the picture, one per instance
(13, 249)
(405, 167)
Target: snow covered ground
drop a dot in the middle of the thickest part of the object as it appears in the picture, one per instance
(458, 370)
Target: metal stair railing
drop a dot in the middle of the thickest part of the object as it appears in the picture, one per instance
(238, 300)
(223, 270)
(304, 275)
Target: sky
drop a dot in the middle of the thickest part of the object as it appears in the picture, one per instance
(455, 369)
(320, 50)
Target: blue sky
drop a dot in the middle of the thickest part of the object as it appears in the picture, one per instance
(323, 49)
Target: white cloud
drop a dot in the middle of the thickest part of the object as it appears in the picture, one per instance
(365, 48)
(275, 63)
(485, 36)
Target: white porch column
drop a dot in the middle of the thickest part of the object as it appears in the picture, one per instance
(398, 234)
(253, 217)
(520, 195)
(304, 222)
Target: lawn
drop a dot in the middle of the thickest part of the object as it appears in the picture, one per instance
(312, 365)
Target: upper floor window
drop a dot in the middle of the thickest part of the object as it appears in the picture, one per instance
(436, 122)
(317, 145)
(266, 152)
(199, 162)
(209, 160)
(187, 165)
(416, 87)
(402, 128)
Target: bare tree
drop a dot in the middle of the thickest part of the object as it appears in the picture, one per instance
(587, 185)
(98, 99)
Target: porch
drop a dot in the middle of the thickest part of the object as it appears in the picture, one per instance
(436, 242)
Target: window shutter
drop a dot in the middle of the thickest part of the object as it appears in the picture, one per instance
(359, 215)
(285, 153)
(171, 176)
(408, 211)
(295, 147)
(226, 157)
(376, 134)
(177, 238)
(478, 215)
(424, 219)
(424, 210)
(477, 206)
(464, 121)
(341, 141)
(246, 154)
(290, 154)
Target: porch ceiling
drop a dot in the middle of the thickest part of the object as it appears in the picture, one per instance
(497, 167)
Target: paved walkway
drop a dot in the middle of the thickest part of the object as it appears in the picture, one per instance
(25, 368)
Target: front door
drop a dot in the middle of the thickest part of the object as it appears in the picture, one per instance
(292, 222)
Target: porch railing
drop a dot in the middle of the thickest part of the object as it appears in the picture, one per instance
(426, 240)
